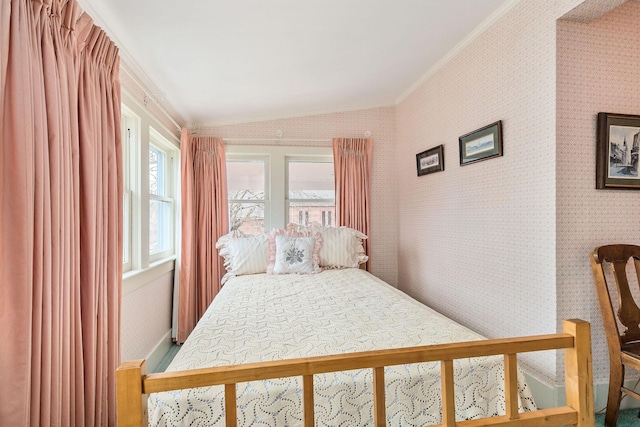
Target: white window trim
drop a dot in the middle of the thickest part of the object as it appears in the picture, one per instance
(131, 131)
(276, 205)
(267, 193)
(142, 268)
(288, 201)
(170, 178)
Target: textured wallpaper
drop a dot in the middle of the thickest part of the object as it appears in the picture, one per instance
(502, 245)
(598, 71)
(477, 242)
(380, 122)
(146, 317)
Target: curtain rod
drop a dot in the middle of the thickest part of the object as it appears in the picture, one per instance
(151, 96)
(276, 139)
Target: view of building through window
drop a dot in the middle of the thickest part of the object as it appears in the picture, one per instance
(309, 195)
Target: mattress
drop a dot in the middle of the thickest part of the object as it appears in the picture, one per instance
(272, 317)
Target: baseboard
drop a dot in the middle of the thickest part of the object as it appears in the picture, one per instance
(549, 396)
(160, 350)
(545, 395)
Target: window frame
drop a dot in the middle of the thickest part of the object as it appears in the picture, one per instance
(288, 201)
(142, 268)
(276, 171)
(160, 143)
(267, 193)
(130, 127)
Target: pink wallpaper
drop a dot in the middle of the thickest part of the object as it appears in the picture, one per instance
(477, 242)
(146, 317)
(502, 245)
(598, 71)
(381, 123)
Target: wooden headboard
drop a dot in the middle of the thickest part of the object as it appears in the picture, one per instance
(133, 384)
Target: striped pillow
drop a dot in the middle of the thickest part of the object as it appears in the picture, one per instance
(243, 254)
(341, 246)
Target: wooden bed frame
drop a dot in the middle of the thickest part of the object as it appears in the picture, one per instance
(133, 384)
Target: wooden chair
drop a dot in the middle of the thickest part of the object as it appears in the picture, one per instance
(623, 341)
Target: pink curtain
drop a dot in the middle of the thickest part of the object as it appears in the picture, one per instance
(352, 159)
(61, 220)
(205, 218)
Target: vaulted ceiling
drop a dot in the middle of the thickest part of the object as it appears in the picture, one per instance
(228, 61)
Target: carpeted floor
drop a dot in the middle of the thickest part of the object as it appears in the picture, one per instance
(168, 358)
(626, 418)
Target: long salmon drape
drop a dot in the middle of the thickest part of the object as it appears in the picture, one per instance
(61, 216)
(352, 160)
(205, 218)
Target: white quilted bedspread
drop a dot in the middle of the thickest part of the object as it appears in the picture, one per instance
(269, 317)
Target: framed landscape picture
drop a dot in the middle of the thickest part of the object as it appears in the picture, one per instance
(617, 145)
(482, 144)
(430, 161)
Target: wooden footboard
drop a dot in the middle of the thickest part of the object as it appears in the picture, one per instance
(133, 383)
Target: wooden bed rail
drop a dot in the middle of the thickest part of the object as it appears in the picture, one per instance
(133, 383)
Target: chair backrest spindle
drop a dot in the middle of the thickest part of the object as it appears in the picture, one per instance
(622, 322)
(625, 311)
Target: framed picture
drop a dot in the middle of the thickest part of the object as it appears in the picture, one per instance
(617, 143)
(430, 161)
(481, 144)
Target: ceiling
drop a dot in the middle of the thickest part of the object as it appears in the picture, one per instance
(227, 61)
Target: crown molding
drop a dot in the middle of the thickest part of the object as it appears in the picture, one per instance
(487, 23)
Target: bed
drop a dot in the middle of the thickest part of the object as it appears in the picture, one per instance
(319, 347)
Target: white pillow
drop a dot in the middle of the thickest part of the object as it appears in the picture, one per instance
(294, 252)
(249, 254)
(244, 254)
(341, 246)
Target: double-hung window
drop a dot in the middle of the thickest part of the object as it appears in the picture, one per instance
(161, 197)
(270, 187)
(150, 184)
(130, 124)
(247, 192)
(310, 191)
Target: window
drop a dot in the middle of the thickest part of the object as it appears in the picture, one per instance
(130, 134)
(247, 196)
(310, 191)
(161, 202)
(270, 187)
(150, 182)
